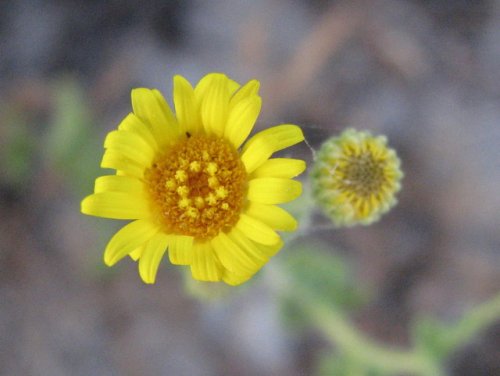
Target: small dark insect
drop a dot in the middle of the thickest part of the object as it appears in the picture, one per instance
(188, 134)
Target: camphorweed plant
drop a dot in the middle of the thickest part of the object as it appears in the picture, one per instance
(196, 191)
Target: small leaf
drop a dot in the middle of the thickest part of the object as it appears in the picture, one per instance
(17, 148)
(343, 365)
(432, 337)
(69, 145)
(324, 275)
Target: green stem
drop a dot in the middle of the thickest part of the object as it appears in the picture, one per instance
(474, 322)
(341, 332)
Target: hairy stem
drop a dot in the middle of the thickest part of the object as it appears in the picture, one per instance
(342, 333)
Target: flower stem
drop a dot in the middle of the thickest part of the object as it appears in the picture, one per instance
(474, 322)
(341, 332)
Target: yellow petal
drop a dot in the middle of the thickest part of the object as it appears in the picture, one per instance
(257, 231)
(242, 119)
(264, 251)
(186, 107)
(115, 183)
(214, 106)
(151, 257)
(136, 253)
(234, 279)
(270, 250)
(232, 256)
(116, 205)
(232, 86)
(205, 266)
(201, 87)
(167, 113)
(116, 160)
(127, 239)
(273, 216)
(155, 114)
(130, 145)
(280, 168)
(251, 248)
(261, 146)
(251, 88)
(281, 136)
(180, 249)
(273, 190)
(133, 124)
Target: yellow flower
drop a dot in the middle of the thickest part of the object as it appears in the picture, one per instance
(356, 177)
(190, 185)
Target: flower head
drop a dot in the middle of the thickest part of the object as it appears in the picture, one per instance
(355, 178)
(190, 186)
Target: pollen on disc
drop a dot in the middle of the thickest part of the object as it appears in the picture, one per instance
(198, 187)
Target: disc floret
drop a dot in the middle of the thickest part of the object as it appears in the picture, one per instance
(198, 187)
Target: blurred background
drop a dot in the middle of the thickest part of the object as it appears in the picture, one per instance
(426, 73)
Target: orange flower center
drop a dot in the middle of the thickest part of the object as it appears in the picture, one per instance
(198, 187)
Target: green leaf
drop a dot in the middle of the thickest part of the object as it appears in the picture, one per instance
(324, 275)
(17, 148)
(70, 146)
(70, 123)
(432, 337)
(343, 365)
